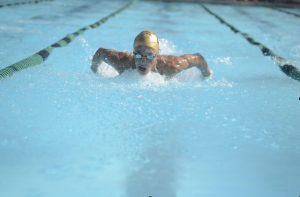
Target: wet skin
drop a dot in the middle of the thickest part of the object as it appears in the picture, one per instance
(168, 65)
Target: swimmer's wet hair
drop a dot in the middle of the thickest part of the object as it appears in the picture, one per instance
(147, 38)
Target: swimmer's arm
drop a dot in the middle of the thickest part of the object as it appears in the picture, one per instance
(119, 60)
(197, 60)
(96, 61)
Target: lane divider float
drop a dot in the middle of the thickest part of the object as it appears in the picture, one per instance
(42, 55)
(23, 3)
(283, 64)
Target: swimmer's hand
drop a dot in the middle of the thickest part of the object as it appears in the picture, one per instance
(206, 74)
(94, 67)
(210, 73)
(96, 61)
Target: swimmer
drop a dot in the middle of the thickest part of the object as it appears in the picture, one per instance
(145, 58)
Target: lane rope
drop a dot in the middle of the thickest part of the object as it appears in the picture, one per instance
(23, 3)
(42, 55)
(287, 12)
(283, 64)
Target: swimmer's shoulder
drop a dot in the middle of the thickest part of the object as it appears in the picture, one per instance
(168, 65)
(170, 60)
(119, 55)
(126, 59)
(120, 60)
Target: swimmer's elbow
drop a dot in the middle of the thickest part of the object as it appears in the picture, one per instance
(201, 61)
(200, 57)
(99, 53)
(101, 50)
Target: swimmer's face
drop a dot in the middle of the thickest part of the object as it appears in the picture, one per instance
(143, 64)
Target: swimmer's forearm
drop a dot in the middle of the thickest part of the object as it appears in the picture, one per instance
(97, 60)
(203, 67)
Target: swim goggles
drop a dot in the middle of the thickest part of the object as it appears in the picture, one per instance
(140, 56)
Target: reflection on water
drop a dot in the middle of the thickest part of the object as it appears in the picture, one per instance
(156, 175)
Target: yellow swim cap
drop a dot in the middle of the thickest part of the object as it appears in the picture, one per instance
(147, 38)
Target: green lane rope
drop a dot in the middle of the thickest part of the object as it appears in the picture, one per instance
(283, 64)
(42, 55)
(287, 12)
(22, 3)
(35, 59)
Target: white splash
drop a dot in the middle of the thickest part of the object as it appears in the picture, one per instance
(107, 71)
(151, 79)
(226, 60)
(87, 49)
(167, 47)
(189, 75)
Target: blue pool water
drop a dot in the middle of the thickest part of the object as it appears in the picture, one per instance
(65, 131)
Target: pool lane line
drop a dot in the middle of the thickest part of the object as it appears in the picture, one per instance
(287, 12)
(23, 3)
(283, 64)
(42, 55)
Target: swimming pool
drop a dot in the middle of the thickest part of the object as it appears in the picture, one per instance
(67, 132)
